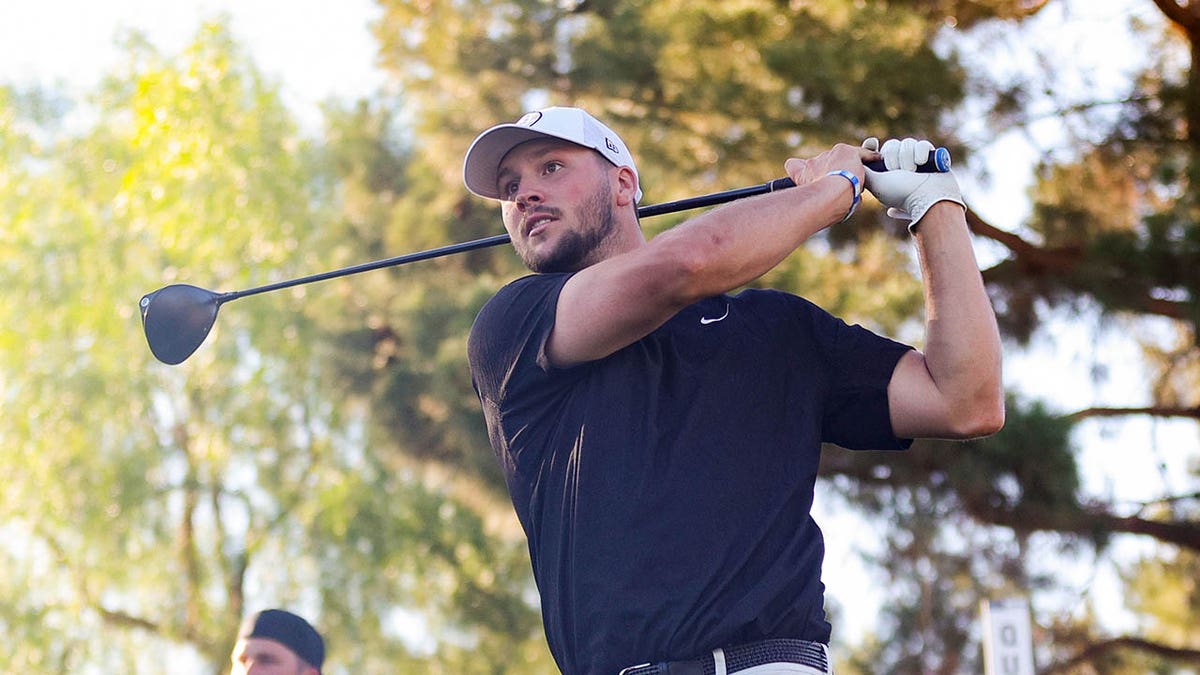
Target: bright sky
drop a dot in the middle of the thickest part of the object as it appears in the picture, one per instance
(322, 48)
(319, 48)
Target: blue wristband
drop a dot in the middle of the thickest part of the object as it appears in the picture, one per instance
(855, 187)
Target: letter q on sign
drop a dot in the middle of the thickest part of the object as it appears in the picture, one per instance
(1007, 637)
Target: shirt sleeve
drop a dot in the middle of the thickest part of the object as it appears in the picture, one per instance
(857, 415)
(511, 331)
(510, 372)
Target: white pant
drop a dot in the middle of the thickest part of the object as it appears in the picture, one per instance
(772, 668)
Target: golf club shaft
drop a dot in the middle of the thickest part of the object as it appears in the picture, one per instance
(495, 240)
(439, 252)
(939, 161)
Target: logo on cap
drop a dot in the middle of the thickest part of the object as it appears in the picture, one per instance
(529, 119)
(611, 146)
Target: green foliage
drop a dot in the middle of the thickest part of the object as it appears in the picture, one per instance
(958, 516)
(711, 96)
(1028, 470)
(966, 13)
(705, 94)
(698, 120)
(941, 577)
(1164, 588)
(147, 508)
(401, 334)
(324, 450)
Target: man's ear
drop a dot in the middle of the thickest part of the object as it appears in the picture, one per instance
(627, 186)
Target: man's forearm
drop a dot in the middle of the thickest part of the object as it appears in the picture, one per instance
(624, 297)
(735, 244)
(962, 350)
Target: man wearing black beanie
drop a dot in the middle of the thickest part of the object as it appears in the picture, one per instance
(277, 642)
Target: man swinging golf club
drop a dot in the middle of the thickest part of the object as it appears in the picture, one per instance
(659, 435)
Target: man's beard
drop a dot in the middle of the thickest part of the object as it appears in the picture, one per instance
(577, 249)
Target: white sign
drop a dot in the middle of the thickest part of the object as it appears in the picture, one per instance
(1007, 637)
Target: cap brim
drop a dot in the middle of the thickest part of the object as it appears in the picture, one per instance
(482, 164)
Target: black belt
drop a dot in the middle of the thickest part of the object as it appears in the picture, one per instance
(782, 650)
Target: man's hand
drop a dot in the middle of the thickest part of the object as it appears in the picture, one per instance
(906, 193)
(843, 161)
(839, 157)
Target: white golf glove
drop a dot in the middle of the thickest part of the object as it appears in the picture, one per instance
(906, 193)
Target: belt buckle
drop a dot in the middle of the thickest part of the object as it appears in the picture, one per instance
(629, 669)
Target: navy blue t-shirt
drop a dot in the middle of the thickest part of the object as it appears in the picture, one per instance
(665, 490)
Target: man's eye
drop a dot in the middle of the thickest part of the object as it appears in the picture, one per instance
(510, 188)
(551, 167)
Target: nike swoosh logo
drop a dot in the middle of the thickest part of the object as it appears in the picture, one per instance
(704, 320)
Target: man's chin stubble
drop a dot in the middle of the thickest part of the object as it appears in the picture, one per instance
(568, 256)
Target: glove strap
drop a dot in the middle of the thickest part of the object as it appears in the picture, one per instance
(855, 187)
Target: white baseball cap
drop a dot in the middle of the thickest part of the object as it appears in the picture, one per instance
(482, 164)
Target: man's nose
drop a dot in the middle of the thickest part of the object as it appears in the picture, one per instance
(528, 196)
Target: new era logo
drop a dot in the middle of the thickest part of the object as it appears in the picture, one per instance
(529, 119)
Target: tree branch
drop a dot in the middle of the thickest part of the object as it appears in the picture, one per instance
(1085, 520)
(1011, 241)
(125, 620)
(1154, 411)
(129, 621)
(1183, 16)
(186, 531)
(1173, 499)
(1030, 261)
(1088, 520)
(1097, 650)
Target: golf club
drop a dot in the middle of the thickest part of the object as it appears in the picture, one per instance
(178, 318)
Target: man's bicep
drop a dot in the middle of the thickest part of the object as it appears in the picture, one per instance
(917, 408)
(611, 305)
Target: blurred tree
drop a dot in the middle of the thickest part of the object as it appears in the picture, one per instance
(324, 449)
(147, 508)
(712, 95)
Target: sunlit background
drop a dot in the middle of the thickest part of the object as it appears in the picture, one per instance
(321, 451)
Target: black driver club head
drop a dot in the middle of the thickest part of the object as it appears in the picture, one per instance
(177, 319)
